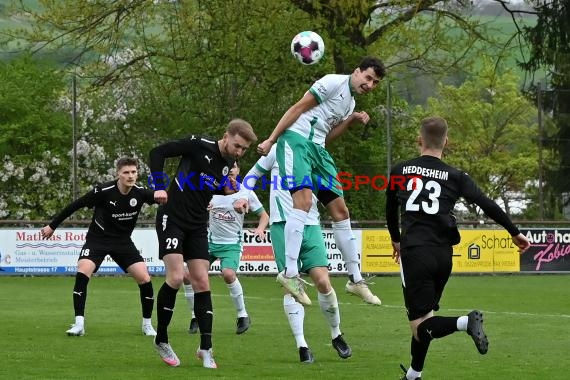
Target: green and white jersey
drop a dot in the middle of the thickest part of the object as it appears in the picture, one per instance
(336, 103)
(280, 201)
(225, 224)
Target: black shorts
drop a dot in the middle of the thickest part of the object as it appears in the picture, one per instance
(124, 253)
(192, 243)
(425, 272)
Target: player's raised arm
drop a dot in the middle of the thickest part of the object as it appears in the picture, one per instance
(522, 242)
(46, 232)
(473, 194)
(158, 156)
(307, 102)
(261, 167)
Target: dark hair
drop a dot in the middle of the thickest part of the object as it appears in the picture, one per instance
(376, 65)
(126, 161)
(242, 128)
(433, 131)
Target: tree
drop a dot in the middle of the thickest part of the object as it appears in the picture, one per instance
(428, 35)
(548, 65)
(231, 51)
(36, 142)
(189, 66)
(35, 136)
(549, 42)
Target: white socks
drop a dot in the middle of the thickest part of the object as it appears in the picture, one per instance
(295, 313)
(236, 292)
(294, 228)
(346, 243)
(462, 323)
(80, 320)
(329, 307)
(411, 374)
(189, 295)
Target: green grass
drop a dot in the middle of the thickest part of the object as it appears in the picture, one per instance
(526, 320)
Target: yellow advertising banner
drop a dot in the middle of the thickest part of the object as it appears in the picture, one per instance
(377, 252)
(485, 251)
(479, 251)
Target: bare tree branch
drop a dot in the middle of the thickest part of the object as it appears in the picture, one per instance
(460, 21)
(402, 18)
(505, 4)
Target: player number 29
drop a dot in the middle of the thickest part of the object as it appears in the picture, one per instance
(171, 243)
(416, 185)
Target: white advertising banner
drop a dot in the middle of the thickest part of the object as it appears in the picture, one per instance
(22, 251)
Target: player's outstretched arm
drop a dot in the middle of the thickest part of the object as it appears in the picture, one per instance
(262, 225)
(160, 197)
(522, 242)
(492, 210)
(473, 194)
(90, 199)
(46, 232)
(158, 156)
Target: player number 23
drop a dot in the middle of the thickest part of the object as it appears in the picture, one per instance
(416, 185)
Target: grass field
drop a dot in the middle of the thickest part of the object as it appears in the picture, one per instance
(526, 317)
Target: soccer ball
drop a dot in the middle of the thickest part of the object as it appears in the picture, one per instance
(308, 47)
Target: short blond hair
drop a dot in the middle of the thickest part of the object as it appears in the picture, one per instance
(242, 128)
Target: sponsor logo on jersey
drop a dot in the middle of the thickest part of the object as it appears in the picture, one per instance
(225, 216)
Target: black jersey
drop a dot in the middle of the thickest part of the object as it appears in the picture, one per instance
(114, 214)
(426, 202)
(202, 172)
